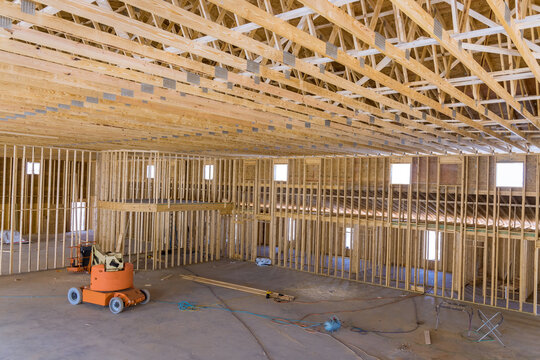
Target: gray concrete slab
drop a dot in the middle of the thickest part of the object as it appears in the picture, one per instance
(36, 321)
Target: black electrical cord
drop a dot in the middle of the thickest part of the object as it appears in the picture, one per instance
(352, 328)
(235, 315)
(364, 331)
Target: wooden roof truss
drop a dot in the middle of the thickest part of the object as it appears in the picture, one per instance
(272, 77)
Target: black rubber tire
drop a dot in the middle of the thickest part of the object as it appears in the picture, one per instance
(116, 305)
(146, 296)
(74, 296)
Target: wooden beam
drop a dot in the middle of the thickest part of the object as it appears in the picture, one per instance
(149, 99)
(266, 293)
(93, 35)
(182, 43)
(500, 9)
(365, 34)
(426, 22)
(224, 208)
(286, 30)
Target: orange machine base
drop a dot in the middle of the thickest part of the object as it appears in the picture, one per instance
(130, 296)
(109, 281)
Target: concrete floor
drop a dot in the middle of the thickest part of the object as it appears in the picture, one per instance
(36, 321)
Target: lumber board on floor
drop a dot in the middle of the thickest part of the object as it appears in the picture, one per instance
(247, 289)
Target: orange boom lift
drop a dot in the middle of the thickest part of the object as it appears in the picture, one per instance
(111, 284)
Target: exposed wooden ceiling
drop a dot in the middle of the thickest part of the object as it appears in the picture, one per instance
(272, 77)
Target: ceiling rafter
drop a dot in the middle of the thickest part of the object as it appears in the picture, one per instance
(285, 77)
(338, 16)
(285, 29)
(513, 32)
(426, 21)
(59, 43)
(281, 77)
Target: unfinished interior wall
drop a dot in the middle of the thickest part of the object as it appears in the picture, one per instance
(451, 232)
(46, 206)
(341, 216)
(163, 209)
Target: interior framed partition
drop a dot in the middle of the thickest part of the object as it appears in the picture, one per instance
(164, 209)
(47, 205)
(452, 226)
(450, 230)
